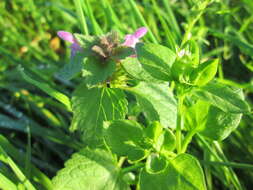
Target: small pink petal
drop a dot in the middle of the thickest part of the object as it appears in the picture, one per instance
(140, 32)
(130, 41)
(66, 36)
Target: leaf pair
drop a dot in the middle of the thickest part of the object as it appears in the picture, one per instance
(153, 63)
(183, 172)
(217, 112)
(157, 63)
(128, 138)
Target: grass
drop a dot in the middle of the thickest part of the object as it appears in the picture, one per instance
(35, 141)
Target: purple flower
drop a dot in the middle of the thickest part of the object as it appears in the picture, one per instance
(132, 39)
(70, 38)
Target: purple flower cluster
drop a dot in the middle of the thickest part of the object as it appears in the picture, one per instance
(130, 39)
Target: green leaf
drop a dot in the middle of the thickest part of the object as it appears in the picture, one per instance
(153, 131)
(73, 68)
(125, 138)
(205, 72)
(183, 172)
(122, 52)
(156, 163)
(220, 124)
(223, 97)
(90, 170)
(211, 121)
(93, 106)
(156, 60)
(157, 102)
(169, 141)
(96, 71)
(162, 140)
(133, 67)
(196, 115)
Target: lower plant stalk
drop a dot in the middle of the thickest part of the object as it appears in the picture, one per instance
(179, 124)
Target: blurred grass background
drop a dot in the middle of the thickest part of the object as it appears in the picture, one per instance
(34, 137)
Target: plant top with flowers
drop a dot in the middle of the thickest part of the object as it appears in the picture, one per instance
(174, 97)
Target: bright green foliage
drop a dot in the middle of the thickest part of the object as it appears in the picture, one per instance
(90, 170)
(153, 131)
(162, 140)
(220, 124)
(93, 106)
(170, 90)
(157, 102)
(205, 72)
(6, 183)
(210, 121)
(223, 97)
(96, 71)
(156, 60)
(186, 62)
(183, 172)
(125, 138)
(169, 141)
(135, 69)
(156, 163)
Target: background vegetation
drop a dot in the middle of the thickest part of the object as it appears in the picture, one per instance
(34, 136)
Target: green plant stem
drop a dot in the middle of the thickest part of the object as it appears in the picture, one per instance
(132, 168)
(121, 161)
(229, 164)
(187, 140)
(179, 123)
(81, 17)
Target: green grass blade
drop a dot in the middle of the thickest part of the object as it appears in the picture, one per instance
(6, 183)
(142, 20)
(171, 17)
(23, 179)
(113, 20)
(84, 27)
(96, 28)
(168, 34)
(47, 89)
(37, 175)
